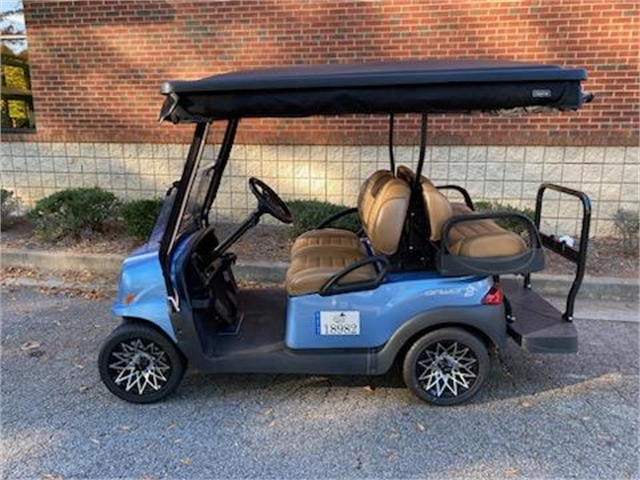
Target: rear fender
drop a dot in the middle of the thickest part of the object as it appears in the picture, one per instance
(488, 319)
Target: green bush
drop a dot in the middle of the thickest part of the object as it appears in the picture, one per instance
(8, 209)
(140, 217)
(627, 224)
(511, 224)
(308, 214)
(75, 212)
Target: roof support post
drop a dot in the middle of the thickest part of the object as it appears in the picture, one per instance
(392, 160)
(423, 151)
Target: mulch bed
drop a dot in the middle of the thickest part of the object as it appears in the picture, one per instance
(272, 243)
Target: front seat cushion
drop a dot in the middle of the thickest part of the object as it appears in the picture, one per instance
(325, 237)
(309, 270)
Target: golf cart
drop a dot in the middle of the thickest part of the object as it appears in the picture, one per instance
(426, 281)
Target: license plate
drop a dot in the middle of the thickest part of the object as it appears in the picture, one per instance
(339, 323)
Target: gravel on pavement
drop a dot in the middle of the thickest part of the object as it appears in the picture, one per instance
(537, 416)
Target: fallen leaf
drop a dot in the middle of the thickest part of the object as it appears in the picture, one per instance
(272, 424)
(510, 472)
(421, 427)
(125, 428)
(148, 477)
(186, 461)
(83, 388)
(95, 440)
(171, 426)
(368, 388)
(31, 345)
(52, 476)
(266, 411)
(79, 366)
(525, 404)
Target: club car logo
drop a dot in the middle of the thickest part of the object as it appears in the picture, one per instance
(541, 93)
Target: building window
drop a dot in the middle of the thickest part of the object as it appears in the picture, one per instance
(17, 101)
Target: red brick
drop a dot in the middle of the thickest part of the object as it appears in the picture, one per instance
(97, 66)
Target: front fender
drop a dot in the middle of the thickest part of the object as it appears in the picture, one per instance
(141, 291)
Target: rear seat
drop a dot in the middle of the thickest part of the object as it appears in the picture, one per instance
(319, 255)
(475, 238)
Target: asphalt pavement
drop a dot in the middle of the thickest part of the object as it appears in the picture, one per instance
(539, 416)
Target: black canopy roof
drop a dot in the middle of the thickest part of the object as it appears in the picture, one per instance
(383, 87)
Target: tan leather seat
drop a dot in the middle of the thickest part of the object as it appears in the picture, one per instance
(475, 238)
(337, 237)
(309, 271)
(382, 206)
(323, 238)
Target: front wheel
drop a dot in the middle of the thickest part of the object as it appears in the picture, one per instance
(446, 366)
(140, 364)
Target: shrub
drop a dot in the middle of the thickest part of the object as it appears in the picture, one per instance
(8, 209)
(140, 217)
(511, 224)
(308, 214)
(74, 212)
(627, 224)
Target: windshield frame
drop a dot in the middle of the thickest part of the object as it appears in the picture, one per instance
(195, 192)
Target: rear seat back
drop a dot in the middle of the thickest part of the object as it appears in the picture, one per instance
(437, 206)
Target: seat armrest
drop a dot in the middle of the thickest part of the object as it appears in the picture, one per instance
(333, 286)
(462, 191)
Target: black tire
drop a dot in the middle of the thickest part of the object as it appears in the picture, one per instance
(446, 366)
(140, 364)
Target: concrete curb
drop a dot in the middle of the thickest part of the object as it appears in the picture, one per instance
(259, 271)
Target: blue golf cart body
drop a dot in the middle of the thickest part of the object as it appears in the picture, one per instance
(413, 286)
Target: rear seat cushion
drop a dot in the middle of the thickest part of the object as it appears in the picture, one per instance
(311, 269)
(484, 238)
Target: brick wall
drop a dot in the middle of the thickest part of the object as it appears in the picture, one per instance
(97, 65)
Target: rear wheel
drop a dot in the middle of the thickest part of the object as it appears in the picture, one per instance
(139, 364)
(446, 366)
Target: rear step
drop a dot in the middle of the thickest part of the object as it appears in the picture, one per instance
(537, 326)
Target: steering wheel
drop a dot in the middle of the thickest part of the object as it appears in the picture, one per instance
(269, 201)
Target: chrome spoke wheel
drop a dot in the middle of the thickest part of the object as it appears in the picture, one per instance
(446, 366)
(139, 366)
(447, 369)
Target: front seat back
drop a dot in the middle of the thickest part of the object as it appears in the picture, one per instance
(382, 206)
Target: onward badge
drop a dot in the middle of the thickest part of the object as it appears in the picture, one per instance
(465, 292)
(338, 323)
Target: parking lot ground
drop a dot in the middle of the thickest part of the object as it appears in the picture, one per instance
(538, 416)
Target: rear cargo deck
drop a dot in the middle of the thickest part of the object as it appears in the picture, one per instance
(538, 326)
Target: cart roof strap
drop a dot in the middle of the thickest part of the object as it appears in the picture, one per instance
(382, 88)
